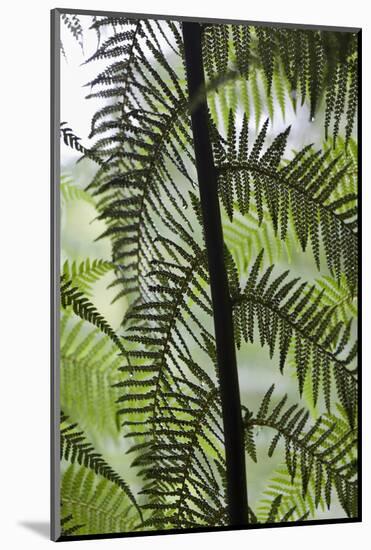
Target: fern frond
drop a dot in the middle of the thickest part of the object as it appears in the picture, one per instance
(245, 235)
(70, 139)
(281, 311)
(73, 23)
(322, 451)
(94, 504)
(309, 65)
(86, 273)
(307, 186)
(89, 369)
(74, 297)
(241, 44)
(349, 160)
(71, 192)
(68, 525)
(75, 448)
(338, 297)
(140, 136)
(63, 51)
(293, 505)
(171, 403)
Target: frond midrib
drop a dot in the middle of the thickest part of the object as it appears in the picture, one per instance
(251, 297)
(299, 444)
(309, 197)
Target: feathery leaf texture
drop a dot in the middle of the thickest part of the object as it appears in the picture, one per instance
(93, 504)
(293, 505)
(71, 192)
(171, 403)
(68, 525)
(142, 138)
(304, 187)
(70, 139)
(75, 448)
(86, 273)
(338, 297)
(279, 312)
(89, 369)
(244, 235)
(74, 297)
(291, 493)
(73, 23)
(318, 452)
(308, 64)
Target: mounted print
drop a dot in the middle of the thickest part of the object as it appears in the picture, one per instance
(205, 274)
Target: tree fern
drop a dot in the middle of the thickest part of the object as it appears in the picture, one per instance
(95, 503)
(89, 369)
(316, 451)
(132, 202)
(279, 312)
(180, 402)
(71, 192)
(75, 448)
(305, 185)
(310, 64)
(72, 296)
(192, 185)
(85, 274)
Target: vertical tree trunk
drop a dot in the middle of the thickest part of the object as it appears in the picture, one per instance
(222, 308)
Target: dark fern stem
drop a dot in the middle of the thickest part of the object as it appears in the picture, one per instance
(236, 488)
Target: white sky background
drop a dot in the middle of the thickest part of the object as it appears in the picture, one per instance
(75, 109)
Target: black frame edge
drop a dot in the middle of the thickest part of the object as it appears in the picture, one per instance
(208, 529)
(55, 529)
(359, 324)
(196, 19)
